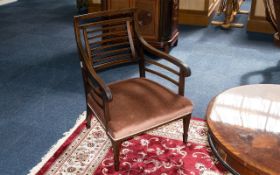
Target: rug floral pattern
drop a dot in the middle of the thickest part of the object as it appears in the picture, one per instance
(158, 152)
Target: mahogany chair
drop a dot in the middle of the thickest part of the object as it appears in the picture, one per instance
(129, 107)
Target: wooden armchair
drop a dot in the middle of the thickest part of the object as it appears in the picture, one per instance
(130, 107)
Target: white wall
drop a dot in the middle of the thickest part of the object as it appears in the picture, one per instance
(192, 4)
(260, 9)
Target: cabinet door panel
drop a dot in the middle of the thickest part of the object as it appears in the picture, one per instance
(148, 17)
(119, 4)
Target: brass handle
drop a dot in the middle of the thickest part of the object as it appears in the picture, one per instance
(140, 23)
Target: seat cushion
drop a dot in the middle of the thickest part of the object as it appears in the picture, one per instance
(140, 104)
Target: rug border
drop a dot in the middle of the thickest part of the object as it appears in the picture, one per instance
(6, 2)
(63, 143)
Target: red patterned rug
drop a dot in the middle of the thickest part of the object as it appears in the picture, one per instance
(159, 152)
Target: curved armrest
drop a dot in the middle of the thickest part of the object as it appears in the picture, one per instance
(184, 68)
(105, 90)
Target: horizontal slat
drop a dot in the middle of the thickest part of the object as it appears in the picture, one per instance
(109, 40)
(102, 28)
(161, 75)
(112, 63)
(110, 52)
(97, 92)
(122, 33)
(94, 88)
(96, 96)
(97, 100)
(109, 21)
(162, 66)
(110, 58)
(110, 46)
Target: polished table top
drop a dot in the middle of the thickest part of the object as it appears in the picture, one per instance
(246, 121)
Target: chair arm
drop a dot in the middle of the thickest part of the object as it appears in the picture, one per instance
(184, 68)
(105, 90)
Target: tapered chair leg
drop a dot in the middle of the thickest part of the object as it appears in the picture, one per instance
(186, 123)
(116, 149)
(88, 117)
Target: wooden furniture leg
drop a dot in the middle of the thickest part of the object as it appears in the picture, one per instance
(186, 123)
(88, 117)
(116, 150)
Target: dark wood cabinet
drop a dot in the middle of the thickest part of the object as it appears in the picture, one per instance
(158, 19)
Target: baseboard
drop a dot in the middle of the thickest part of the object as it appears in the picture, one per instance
(260, 25)
(4, 2)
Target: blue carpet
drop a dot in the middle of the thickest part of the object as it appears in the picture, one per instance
(41, 87)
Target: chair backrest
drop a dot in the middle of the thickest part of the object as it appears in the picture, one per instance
(107, 37)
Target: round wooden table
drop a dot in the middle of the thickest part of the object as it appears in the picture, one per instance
(244, 129)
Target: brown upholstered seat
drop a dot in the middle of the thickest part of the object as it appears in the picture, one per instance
(139, 104)
(129, 107)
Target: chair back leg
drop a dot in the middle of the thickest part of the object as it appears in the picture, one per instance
(186, 123)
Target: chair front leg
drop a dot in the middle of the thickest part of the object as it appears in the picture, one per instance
(88, 117)
(186, 123)
(116, 149)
